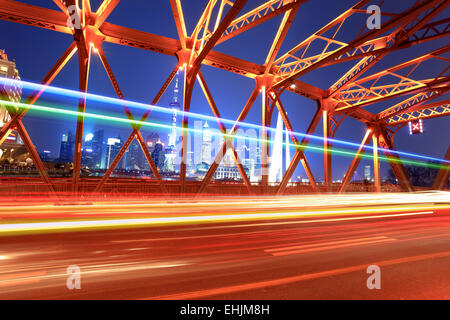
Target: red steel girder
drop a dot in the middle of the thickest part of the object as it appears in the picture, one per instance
(193, 67)
(355, 162)
(407, 104)
(432, 110)
(36, 94)
(135, 134)
(290, 66)
(219, 156)
(396, 40)
(443, 173)
(15, 11)
(255, 17)
(83, 67)
(285, 24)
(299, 154)
(364, 91)
(411, 27)
(385, 142)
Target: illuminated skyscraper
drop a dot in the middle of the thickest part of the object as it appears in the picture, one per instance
(206, 144)
(171, 150)
(114, 146)
(249, 165)
(151, 141)
(67, 147)
(276, 162)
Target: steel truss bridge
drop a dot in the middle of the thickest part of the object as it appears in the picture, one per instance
(222, 20)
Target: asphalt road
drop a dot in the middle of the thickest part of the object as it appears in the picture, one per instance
(310, 254)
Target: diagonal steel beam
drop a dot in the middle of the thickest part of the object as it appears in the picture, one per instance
(83, 68)
(257, 16)
(136, 127)
(442, 176)
(193, 69)
(222, 127)
(148, 156)
(178, 16)
(299, 154)
(104, 11)
(231, 14)
(410, 103)
(355, 162)
(34, 155)
(18, 125)
(393, 159)
(133, 125)
(285, 24)
(304, 65)
(391, 42)
(432, 110)
(61, 6)
(219, 156)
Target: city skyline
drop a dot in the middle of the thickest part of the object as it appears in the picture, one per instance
(244, 151)
(136, 80)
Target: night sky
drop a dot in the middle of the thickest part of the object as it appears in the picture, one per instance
(141, 73)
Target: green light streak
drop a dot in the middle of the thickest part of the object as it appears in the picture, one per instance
(310, 147)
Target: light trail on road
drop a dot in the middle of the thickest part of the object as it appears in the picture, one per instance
(294, 247)
(114, 215)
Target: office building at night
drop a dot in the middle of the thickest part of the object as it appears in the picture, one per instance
(13, 92)
(67, 147)
(135, 157)
(158, 155)
(113, 148)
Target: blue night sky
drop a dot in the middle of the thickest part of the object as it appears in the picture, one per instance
(141, 73)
